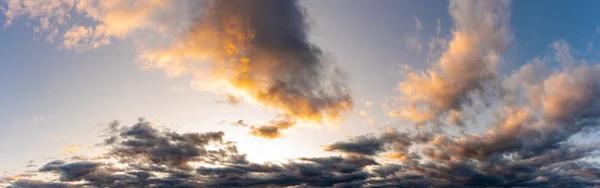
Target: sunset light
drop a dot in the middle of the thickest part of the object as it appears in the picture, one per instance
(299, 93)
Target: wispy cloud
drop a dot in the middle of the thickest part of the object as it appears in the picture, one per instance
(39, 118)
(70, 149)
(414, 41)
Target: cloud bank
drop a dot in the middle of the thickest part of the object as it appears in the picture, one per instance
(143, 155)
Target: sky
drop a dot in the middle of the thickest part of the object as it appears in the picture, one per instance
(307, 93)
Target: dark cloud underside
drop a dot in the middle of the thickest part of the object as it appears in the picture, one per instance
(142, 155)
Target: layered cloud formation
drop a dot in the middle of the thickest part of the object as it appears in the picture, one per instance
(143, 155)
(258, 50)
(528, 136)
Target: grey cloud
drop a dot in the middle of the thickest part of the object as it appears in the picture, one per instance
(366, 145)
(395, 142)
(257, 48)
(147, 158)
(151, 157)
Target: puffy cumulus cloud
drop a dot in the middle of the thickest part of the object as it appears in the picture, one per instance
(260, 50)
(257, 50)
(542, 108)
(464, 70)
(536, 111)
(530, 142)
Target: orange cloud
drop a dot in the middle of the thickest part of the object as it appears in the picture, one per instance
(465, 67)
(225, 46)
(272, 130)
(70, 149)
(272, 64)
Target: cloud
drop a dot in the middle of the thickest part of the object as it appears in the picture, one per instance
(413, 41)
(70, 149)
(480, 35)
(537, 112)
(232, 99)
(528, 143)
(257, 50)
(391, 144)
(366, 145)
(39, 118)
(273, 129)
(142, 155)
(367, 103)
(113, 19)
(144, 143)
(272, 63)
(368, 119)
(240, 123)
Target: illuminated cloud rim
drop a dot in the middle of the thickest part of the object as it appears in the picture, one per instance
(530, 142)
(255, 50)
